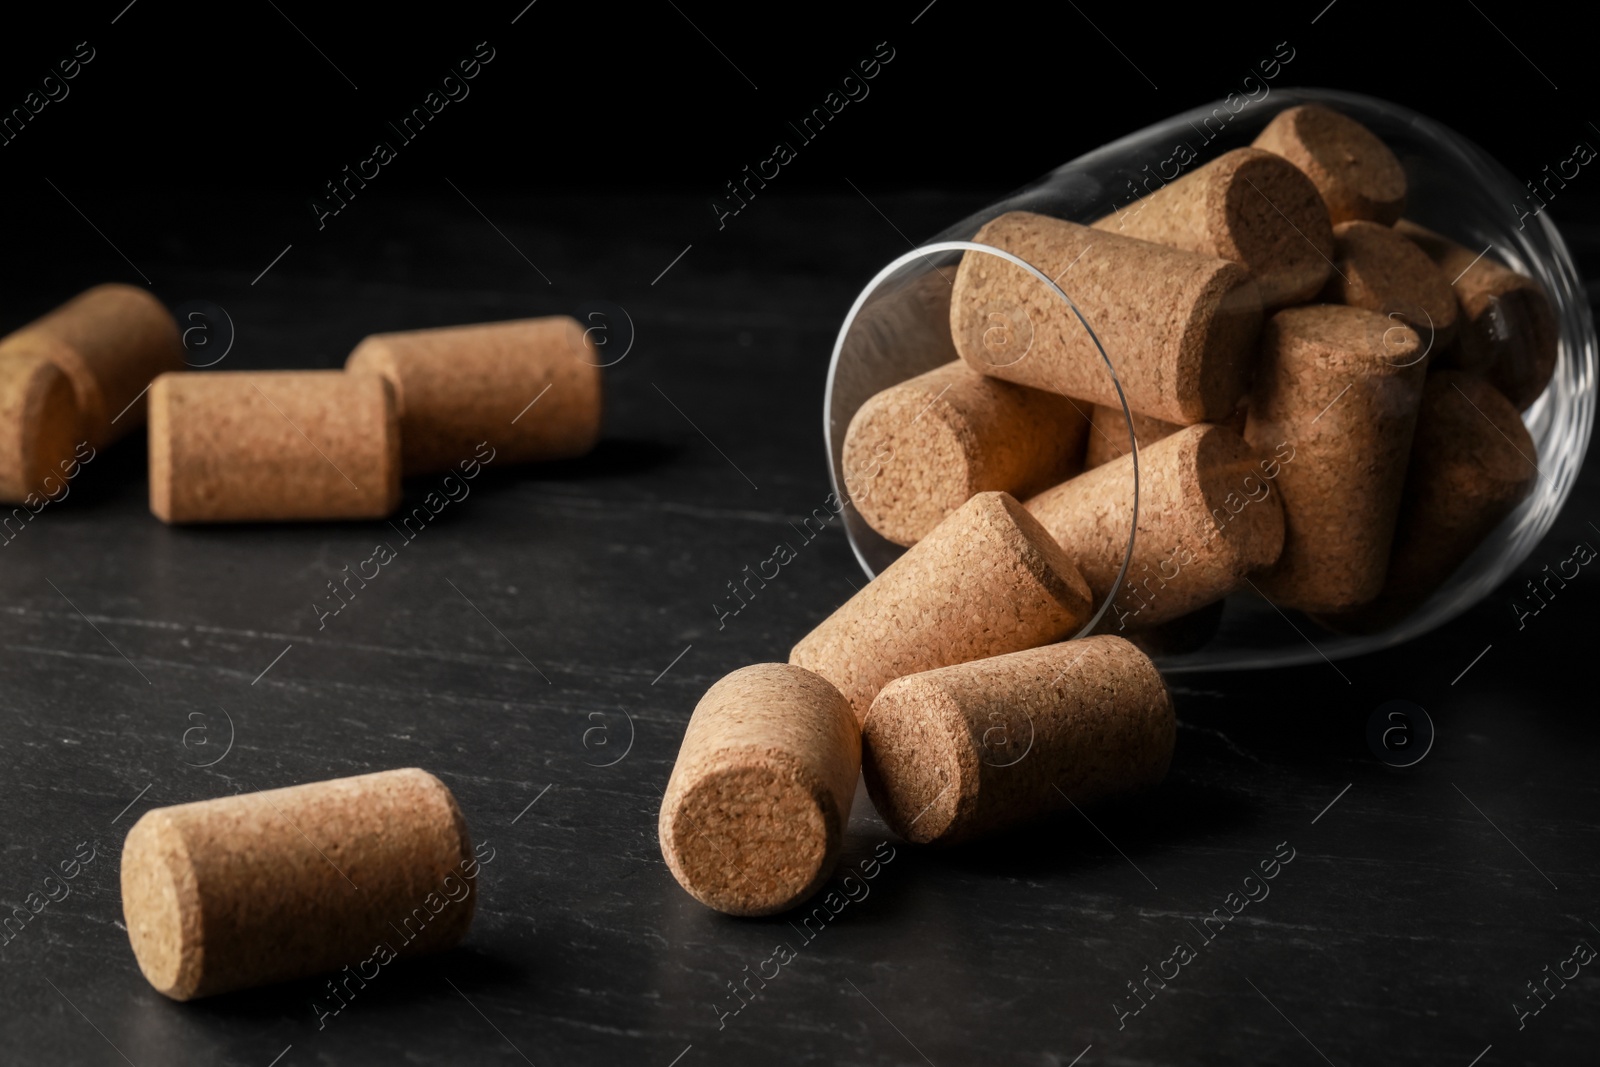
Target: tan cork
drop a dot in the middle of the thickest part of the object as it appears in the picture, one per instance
(986, 580)
(111, 341)
(1340, 387)
(1249, 206)
(1207, 518)
(266, 446)
(1108, 434)
(1509, 328)
(1378, 269)
(917, 451)
(1179, 327)
(953, 754)
(755, 811)
(1357, 174)
(1472, 463)
(39, 424)
(530, 388)
(243, 891)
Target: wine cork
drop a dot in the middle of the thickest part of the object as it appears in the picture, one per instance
(247, 890)
(1472, 463)
(1178, 326)
(916, 452)
(1509, 328)
(1207, 518)
(111, 342)
(39, 423)
(953, 754)
(1249, 206)
(755, 811)
(1344, 398)
(1108, 434)
(1378, 269)
(986, 580)
(1356, 173)
(248, 446)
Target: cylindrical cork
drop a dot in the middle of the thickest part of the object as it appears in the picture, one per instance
(1378, 269)
(956, 753)
(916, 452)
(530, 388)
(1108, 434)
(111, 342)
(1179, 327)
(1339, 387)
(1509, 329)
(265, 887)
(1207, 518)
(1472, 463)
(986, 580)
(248, 446)
(1356, 173)
(39, 426)
(1249, 206)
(756, 807)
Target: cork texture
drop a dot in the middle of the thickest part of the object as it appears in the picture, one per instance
(111, 342)
(531, 388)
(1249, 206)
(953, 754)
(1207, 518)
(755, 811)
(1341, 388)
(1108, 434)
(248, 446)
(1472, 463)
(1508, 330)
(243, 891)
(1179, 327)
(916, 452)
(1378, 269)
(1356, 173)
(985, 581)
(39, 424)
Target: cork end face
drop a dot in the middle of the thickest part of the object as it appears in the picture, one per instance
(1218, 350)
(905, 464)
(1359, 176)
(1044, 557)
(1278, 227)
(1380, 270)
(391, 460)
(1245, 512)
(374, 355)
(41, 424)
(161, 907)
(919, 761)
(160, 447)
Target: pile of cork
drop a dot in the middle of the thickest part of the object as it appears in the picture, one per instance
(1326, 402)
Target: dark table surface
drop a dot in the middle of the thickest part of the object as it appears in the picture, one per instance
(541, 645)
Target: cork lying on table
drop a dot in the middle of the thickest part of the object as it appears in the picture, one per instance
(1378, 269)
(266, 446)
(1207, 518)
(917, 451)
(531, 388)
(1356, 173)
(1341, 386)
(1472, 463)
(755, 811)
(110, 341)
(952, 754)
(1249, 206)
(38, 429)
(1178, 326)
(1108, 434)
(986, 580)
(265, 887)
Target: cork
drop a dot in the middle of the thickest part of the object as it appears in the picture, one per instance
(1208, 517)
(1356, 173)
(917, 451)
(1378, 269)
(247, 890)
(1472, 463)
(986, 580)
(530, 388)
(111, 342)
(1340, 387)
(1108, 434)
(1178, 326)
(755, 811)
(248, 446)
(1249, 206)
(39, 423)
(953, 754)
(1508, 328)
